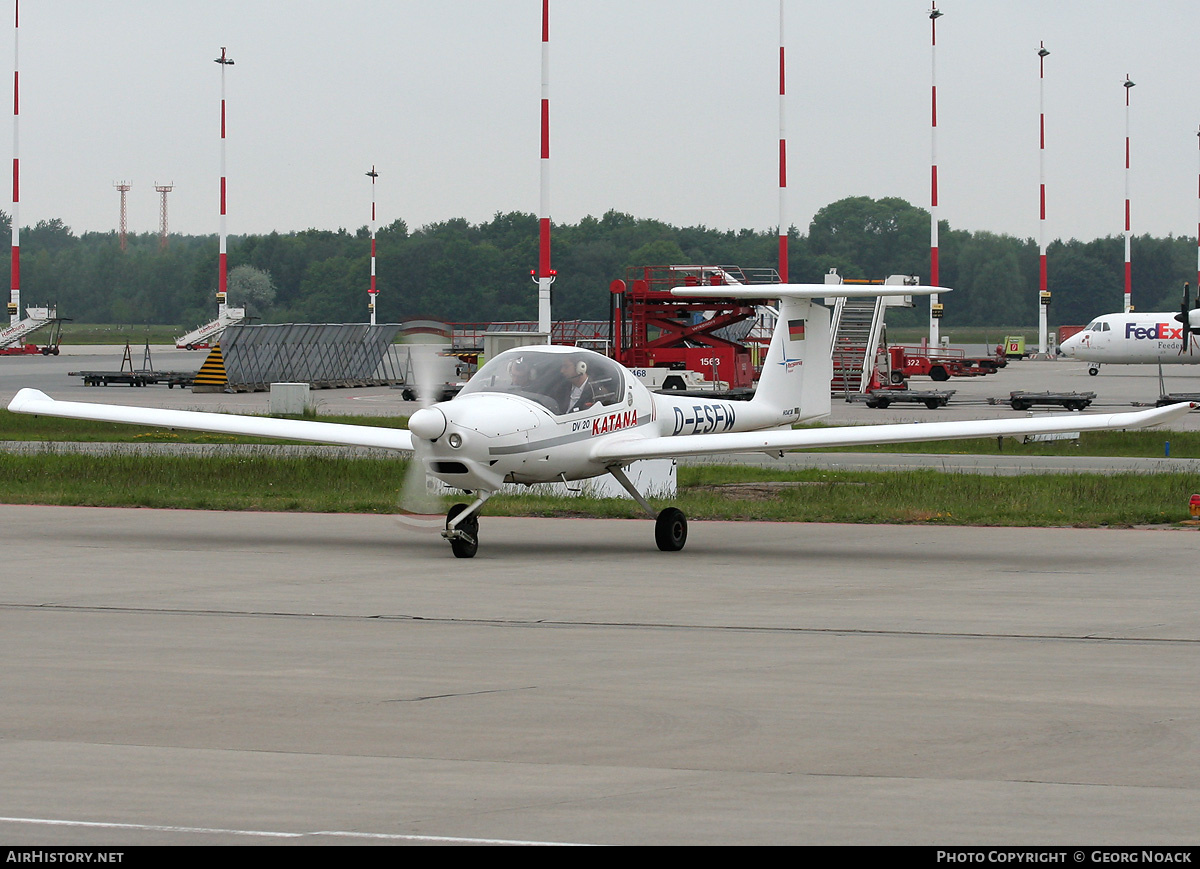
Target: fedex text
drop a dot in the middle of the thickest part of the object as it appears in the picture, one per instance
(1155, 332)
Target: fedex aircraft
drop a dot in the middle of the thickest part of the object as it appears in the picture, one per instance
(1134, 338)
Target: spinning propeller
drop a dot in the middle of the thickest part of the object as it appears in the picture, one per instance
(418, 506)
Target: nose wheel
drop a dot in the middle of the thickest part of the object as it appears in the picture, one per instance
(464, 536)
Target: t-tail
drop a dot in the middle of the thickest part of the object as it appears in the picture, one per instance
(796, 376)
(794, 384)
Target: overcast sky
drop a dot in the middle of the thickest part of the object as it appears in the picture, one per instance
(659, 108)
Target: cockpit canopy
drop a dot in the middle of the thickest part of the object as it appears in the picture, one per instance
(550, 375)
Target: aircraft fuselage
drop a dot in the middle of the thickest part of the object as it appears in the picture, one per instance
(1133, 338)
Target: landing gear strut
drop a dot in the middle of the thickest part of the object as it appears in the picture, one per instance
(670, 526)
(462, 527)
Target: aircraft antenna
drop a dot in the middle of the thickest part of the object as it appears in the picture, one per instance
(934, 306)
(163, 190)
(783, 222)
(224, 60)
(1128, 268)
(1043, 293)
(123, 187)
(373, 292)
(545, 275)
(14, 296)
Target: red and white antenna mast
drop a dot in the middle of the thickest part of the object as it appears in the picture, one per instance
(222, 285)
(783, 222)
(14, 296)
(373, 292)
(1198, 232)
(935, 308)
(545, 275)
(163, 190)
(123, 187)
(1128, 235)
(1043, 293)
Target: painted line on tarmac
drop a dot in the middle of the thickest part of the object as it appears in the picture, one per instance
(276, 834)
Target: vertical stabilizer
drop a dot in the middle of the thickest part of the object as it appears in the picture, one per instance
(795, 377)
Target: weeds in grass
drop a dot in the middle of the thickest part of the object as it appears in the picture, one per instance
(336, 485)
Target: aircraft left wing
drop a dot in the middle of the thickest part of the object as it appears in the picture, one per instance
(36, 402)
(631, 449)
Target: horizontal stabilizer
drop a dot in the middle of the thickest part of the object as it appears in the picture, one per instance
(805, 291)
(33, 401)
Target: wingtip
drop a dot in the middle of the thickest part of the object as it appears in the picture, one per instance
(23, 398)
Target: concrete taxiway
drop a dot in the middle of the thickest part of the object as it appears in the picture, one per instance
(218, 678)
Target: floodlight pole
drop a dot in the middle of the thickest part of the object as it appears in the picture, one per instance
(935, 307)
(783, 221)
(222, 284)
(373, 292)
(1128, 234)
(545, 274)
(14, 296)
(1043, 292)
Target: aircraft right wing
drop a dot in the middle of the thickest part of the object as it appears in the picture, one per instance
(35, 402)
(771, 441)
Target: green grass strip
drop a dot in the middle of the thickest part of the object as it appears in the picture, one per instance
(334, 485)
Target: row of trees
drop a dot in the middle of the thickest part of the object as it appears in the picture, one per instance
(459, 271)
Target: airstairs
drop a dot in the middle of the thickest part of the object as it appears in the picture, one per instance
(207, 335)
(857, 324)
(35, 318)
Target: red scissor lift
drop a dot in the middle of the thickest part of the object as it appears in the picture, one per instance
(654, 329)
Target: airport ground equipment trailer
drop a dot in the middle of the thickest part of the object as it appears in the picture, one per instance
(182, 379)
(1176, 397)
(881, 398)
(1025, 400)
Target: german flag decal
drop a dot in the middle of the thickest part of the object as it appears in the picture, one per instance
(795, 330)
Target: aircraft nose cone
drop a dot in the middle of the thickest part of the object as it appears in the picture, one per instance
(428, 423)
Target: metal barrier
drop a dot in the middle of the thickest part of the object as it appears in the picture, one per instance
(323, 355)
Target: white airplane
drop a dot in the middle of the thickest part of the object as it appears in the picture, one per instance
(1138, 338)
(514, 421)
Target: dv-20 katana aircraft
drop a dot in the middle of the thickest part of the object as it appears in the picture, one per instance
(548, 413)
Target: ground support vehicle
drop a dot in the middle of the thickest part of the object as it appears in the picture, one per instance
(1025, 400)
(700, 343)
(181, 379)
(882, 397)
(939, 364)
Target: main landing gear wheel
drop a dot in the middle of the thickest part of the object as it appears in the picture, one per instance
(466, 545)
(670, 530)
